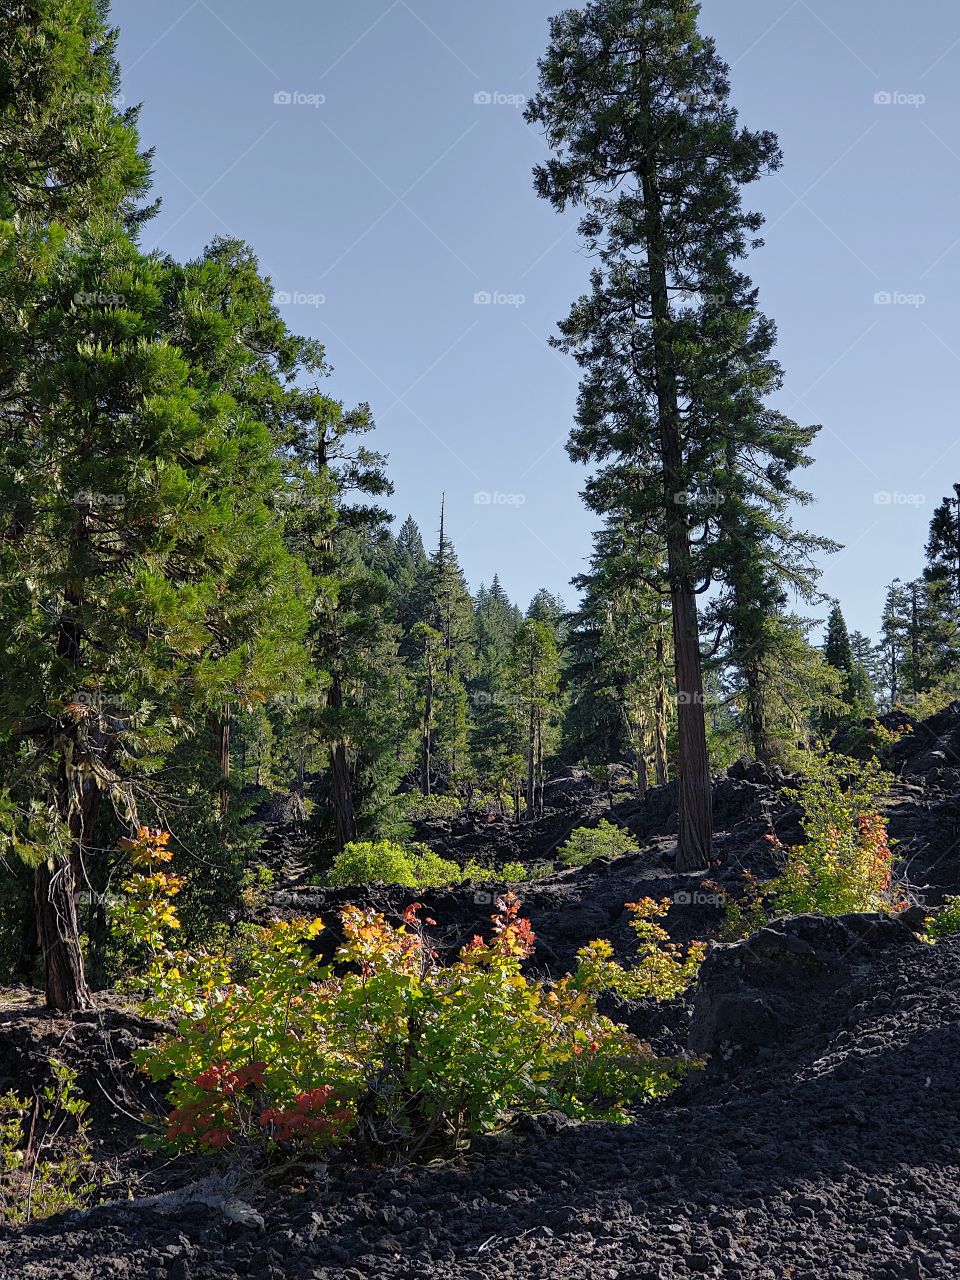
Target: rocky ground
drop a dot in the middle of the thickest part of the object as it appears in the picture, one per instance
(821, 1140)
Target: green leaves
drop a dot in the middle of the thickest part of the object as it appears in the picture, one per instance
(426, 1054)
(605, 840)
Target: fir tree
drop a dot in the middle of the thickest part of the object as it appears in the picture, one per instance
(943, 547)
(634, 104)
(535, 670)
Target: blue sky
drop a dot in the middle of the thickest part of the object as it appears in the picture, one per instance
(382, 198)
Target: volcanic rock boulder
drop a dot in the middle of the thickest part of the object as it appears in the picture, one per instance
(768, 990)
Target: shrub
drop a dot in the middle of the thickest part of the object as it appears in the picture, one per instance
(385, 1047)
(846, 863)
(605, 840)
(509, 873)
(386, 863)
(45, 1151)
(664, 969)
(745, 914)
(145, 913)
(945, 922)
(416, 807)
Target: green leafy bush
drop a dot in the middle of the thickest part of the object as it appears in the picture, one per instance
(509, 873)
(385, 1048)
(416, 807)
(46, 1163)
(846, 863)
(605, 840)
(664, 969)
(945, 923)
(745, 913)
(386, 863)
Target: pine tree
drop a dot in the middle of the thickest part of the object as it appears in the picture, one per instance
(409, 571)
(836, 648)
(895, 630)
(142, 569)
(758, 555)
(634, 103)
(943, 547)
(495, 745)
(451, 617)
(153, 549)
(838, 654)
(68, 159)
(353, 646)
(617, 660)
(535, 670)
(549, 609)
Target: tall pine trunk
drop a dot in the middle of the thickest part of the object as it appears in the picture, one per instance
(531, 764)
(222, 726)
(756, 717)
(660, 714)
(426, 736)
(695, 841)
(55, 880)
(341, 780)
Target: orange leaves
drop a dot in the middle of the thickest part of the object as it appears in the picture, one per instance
(149, 847)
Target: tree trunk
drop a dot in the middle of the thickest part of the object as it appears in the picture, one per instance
(54, 889)
(54, 886)
(756, 715)
(695, 841)
(660, 714)
(531, 779)
(341, 782)
(220, 749)
(425, 738)
(55, 899)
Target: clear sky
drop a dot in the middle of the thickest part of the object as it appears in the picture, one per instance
(381, 197)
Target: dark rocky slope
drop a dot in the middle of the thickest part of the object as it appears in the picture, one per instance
(820, 1141)
(833, 1154)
